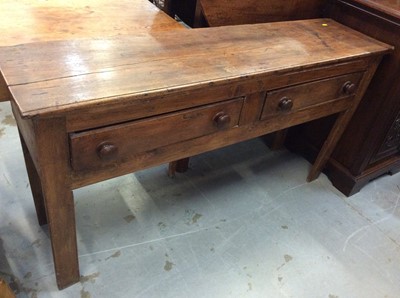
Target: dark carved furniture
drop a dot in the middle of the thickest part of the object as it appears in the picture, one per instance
(371, 144)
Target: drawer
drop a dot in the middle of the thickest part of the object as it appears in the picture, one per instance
(299, 97)
(116, 144)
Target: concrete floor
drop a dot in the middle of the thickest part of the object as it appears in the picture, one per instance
(241, 223)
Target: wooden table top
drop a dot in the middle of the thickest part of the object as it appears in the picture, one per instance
(25, 21)
(61, 76)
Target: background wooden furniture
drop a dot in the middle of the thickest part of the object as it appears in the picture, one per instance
(165, 6)
(203, 13)
(184, 9)
(232, 86)
(371, 144)
(234, 12)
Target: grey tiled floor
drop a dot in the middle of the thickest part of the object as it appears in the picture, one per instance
(241, 223)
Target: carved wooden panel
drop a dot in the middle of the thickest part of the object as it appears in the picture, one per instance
(391, 145)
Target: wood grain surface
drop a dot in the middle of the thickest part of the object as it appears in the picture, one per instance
(67, 75)
(25, 21)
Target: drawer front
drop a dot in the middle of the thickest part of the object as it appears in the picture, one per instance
(299, 97)
(111, 146)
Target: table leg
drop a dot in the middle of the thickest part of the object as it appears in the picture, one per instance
(329, 144)
(278, 139)
(180, 166)
(53, 158)
(34, 181)
(341, 123)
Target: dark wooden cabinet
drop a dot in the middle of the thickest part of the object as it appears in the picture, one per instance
(371, 144)
(212, 13)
